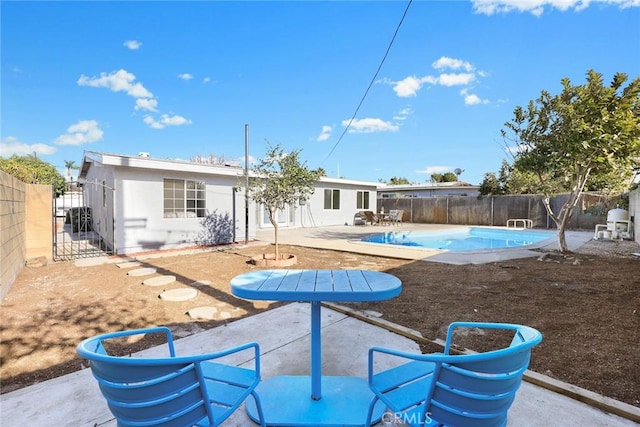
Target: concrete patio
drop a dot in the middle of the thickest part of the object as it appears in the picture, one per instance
(74, 399)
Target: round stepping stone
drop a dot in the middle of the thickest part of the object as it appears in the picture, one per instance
(141, 272)
(180, 294)
(203, 313)
(129, 264)
(201, 283)
(159, 280)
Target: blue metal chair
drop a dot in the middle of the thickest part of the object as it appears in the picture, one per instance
(171, 391)
(472, 390)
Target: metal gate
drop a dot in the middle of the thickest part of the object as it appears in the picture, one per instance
(83, 221)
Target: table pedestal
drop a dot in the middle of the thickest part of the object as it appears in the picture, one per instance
(286, 401)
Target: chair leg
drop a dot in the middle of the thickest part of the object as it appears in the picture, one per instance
(259, 408)
(371, 408)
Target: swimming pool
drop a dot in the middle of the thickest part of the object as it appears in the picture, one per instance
(462, 239)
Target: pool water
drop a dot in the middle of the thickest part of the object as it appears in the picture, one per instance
(462, 239)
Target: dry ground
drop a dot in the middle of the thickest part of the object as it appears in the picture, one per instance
(586, 305)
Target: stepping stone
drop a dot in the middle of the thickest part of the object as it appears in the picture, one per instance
(141, 272)
(203, 313)
(180, 294)
(129, 264)
(201, 283)
(159, 280)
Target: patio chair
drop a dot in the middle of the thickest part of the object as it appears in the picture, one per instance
(371, 218)
(173, 391)
(473, 390)
(395, 216)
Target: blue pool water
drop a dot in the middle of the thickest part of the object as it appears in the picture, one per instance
(462, 239)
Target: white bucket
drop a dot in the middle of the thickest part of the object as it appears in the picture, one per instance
(606, 234)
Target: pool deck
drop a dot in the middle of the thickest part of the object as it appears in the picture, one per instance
(347, 238)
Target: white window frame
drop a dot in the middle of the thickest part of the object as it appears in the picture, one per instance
(184, 199)
(334, 196)
(362, 200)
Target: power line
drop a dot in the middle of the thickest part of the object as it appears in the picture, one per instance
(373, 79)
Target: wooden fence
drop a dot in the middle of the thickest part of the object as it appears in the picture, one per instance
(496, 210)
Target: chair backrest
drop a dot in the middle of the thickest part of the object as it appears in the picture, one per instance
(478, 389)
(371, 217)
(167, 392)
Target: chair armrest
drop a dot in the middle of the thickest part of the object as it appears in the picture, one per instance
(395, 353)
(237, 349)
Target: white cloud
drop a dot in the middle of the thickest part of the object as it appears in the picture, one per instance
(435, 169)
(83, 132)
(133, 44)
(149, 104)
(370, 125)
(456, 79)
(166, 120)
(409, 86)
(11, 145)
(185, 76)
(472, 99)
(452, 63)
(325, 134)
(206, 80)
(117, 81)
(537, 7)
(403, 114)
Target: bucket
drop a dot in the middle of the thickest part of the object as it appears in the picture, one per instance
(606, 234)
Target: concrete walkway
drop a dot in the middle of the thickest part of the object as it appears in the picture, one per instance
(283, 334)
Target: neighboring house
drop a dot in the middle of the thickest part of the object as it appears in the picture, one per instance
(139, 203)
(437, 189)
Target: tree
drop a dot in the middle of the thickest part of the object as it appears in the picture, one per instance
(401, 180)
(279, 179)
(444, 177)
(69, 165)
(587, 129)
(508, 181)
(32, 170)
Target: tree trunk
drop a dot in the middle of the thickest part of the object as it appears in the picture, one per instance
(562, 219)
(272, 219)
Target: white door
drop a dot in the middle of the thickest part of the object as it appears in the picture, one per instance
(281, 217)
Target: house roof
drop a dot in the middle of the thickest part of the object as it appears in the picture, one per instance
(145, 162)
(428, 186)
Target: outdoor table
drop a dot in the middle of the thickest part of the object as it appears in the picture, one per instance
(286, 400)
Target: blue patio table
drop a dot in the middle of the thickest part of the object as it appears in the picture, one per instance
(285, 400)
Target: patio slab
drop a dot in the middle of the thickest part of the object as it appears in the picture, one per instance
(284, 336)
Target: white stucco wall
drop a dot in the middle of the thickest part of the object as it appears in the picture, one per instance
(141, 225)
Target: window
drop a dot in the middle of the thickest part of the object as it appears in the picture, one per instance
(184, 199)
(362, 200)
(331, 199)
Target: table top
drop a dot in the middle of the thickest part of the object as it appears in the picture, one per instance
(316, 285)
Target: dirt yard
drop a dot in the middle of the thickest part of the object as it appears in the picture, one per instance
(586, 305)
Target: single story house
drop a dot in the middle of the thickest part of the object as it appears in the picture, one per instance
(140, 203)
(436, 189)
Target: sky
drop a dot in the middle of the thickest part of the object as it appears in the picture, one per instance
(367, 90)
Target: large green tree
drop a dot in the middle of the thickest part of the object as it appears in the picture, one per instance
(32, 170)
(280, 179)
(585, 130)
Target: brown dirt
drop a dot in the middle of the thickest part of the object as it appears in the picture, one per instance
(586, 305)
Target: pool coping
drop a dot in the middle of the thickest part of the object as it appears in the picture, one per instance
(347, 239)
